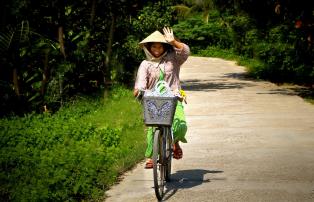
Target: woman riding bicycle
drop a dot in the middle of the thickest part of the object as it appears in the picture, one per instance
(164, 57)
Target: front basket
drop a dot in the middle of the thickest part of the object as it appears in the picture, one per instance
(159, 110)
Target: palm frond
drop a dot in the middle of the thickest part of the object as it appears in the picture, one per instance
(182, 10)
(14, 36)
(6, 39)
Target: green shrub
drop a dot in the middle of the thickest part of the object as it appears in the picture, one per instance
(251, 38)
(240, 25)
(278, 59)
(74, 154)
(195, 32)
(212, 51)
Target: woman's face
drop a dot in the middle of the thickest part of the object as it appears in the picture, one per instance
(157, 49)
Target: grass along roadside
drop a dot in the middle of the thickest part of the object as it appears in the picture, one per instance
(122, 111)
(74, 154)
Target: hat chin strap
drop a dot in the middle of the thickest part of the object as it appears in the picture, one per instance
(151, 58)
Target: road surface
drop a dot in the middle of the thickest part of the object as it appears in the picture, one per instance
(247, 141)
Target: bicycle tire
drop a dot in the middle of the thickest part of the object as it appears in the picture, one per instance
(169, 150)
(158, 167)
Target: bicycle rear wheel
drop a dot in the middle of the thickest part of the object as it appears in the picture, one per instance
(159, 168)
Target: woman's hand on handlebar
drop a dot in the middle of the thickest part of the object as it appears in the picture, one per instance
(181, 96)
(138, 94)
(135, 92)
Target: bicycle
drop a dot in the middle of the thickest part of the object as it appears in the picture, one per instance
(162, 156)
(159, 112)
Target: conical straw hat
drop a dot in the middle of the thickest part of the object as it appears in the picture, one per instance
(154, 37)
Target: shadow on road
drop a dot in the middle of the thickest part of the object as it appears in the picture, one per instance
(212, 85)
(241, 80)
(184, 179)
(239, 75)
(304, 92)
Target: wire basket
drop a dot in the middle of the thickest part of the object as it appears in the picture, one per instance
(159, 105)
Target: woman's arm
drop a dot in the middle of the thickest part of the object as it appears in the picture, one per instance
(169, 37)
(141, 79)
(182, 51)
(177, 44)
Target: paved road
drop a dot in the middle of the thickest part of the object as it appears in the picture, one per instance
(248, 141)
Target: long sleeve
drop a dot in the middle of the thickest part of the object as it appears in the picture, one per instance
(141, 78)
(181, 55)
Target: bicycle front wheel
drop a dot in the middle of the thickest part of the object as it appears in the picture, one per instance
(159, 169)
(169, 149)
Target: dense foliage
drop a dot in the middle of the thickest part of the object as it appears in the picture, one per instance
(71, 155)
(278, 34)
(52, 50)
